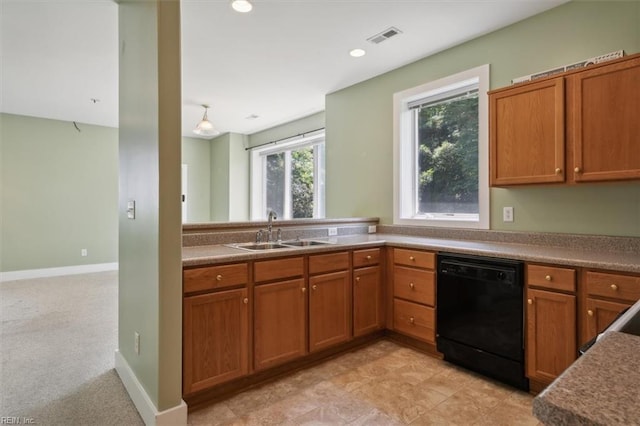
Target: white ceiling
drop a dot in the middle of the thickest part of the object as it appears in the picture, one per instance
(278, 61)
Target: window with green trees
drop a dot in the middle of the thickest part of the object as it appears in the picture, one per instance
(441, 152)
(447, 151)
(289, 179)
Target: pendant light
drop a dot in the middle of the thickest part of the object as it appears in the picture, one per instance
(242, 6)
(204, 127)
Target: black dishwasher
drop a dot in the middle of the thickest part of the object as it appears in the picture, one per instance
(480, 322)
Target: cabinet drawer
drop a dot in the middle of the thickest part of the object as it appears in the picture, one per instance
(414, 320)
(414, 284)
(419, 259)
(267, 270)
(214, 277)
(366, 257)
(551, 277)
(320, 263)
(623, 287)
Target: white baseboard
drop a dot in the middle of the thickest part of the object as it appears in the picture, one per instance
(175, 416)
(56, 272)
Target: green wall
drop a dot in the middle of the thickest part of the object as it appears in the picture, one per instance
(286, 130)
(238, 178)
(59, 193)
(360, 122)
(150, 261)
(196, 154)
(229, 178)
(220, 178)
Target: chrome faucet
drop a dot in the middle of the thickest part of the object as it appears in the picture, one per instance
(271, 218)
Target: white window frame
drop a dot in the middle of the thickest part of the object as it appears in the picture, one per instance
(405, 192)
(258, 174)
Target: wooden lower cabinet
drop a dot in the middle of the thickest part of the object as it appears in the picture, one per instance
(414, 294)
(367, 301)
(601, 313)
(280, 319)
(415, 320)
(604, 295)
(329, 310)
(216, 339)
(551, 334)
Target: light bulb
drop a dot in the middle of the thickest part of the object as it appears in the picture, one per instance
(242, 6)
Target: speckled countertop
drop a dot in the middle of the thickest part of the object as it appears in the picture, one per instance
(594, 258)
(600, 388)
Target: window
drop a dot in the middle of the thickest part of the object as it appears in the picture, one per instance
(441, 152)
(289, 178)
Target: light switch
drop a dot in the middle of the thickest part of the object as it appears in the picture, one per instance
(131, 209)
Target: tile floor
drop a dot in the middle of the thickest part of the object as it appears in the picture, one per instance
(382, 384)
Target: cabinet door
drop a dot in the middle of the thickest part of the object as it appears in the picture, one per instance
(551, 334)
(606, 130)
(599, 315)
(329, 310)
(279, 323)
(367, 301)
(526, 134)
(216, 334)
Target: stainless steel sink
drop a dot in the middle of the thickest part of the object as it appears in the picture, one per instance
(278, 245)
(259, 246)
(304, 243)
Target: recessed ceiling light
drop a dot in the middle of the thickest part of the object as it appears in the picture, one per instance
(356, 53)
(242, 6)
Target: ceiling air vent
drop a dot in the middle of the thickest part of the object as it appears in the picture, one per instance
(384, 35)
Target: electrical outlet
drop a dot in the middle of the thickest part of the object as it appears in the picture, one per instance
(507, 214)
(136, 342)
(83, 252)
(372, 229)
(333, 232)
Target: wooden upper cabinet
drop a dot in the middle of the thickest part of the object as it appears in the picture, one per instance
(527, 133)
(595, 108)
(605, 133)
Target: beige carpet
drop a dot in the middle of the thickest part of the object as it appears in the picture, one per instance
(57, 341)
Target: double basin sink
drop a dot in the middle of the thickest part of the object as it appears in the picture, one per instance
(279, 245)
